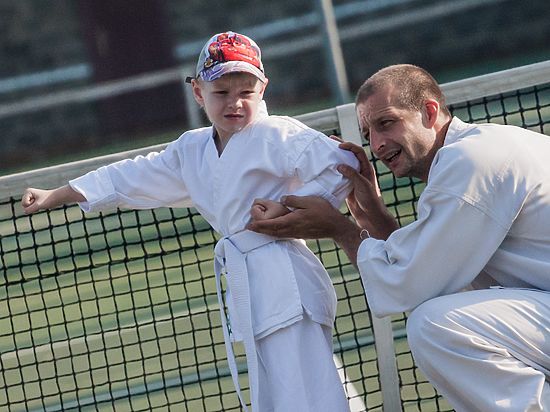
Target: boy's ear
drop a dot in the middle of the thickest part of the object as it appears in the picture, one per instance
(197, 92)
(264, 85)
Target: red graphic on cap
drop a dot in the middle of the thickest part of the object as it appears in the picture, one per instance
(232, 47)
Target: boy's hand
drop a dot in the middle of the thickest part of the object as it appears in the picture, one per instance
(267, 209)
(35, 199)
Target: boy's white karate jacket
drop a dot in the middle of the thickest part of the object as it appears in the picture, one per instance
(272, 157)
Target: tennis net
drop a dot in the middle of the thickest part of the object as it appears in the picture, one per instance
(118, 311)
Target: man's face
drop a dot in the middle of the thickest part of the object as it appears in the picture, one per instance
(398, 136)
(231, 102)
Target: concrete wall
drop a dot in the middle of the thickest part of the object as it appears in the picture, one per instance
(38, 35)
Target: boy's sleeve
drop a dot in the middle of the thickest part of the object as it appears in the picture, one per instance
(316, 168)
(141, 183)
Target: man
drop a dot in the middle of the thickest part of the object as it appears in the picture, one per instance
(474, 268)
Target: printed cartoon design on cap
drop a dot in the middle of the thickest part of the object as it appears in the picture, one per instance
(232, 47)
(229, 52)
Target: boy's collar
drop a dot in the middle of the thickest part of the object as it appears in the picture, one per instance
(262, 111)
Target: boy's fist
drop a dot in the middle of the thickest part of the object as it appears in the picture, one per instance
(35, 199)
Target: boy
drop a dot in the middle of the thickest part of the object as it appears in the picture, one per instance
(280, 300)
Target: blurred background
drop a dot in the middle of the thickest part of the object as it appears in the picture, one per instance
(81, 78)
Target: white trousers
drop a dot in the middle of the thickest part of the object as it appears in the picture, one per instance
(486, 350)
(297, 372)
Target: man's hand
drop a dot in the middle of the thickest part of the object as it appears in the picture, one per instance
(365, 193)
(365, 201)
(312, 218)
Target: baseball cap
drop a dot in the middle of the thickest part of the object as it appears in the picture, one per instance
(229, 52)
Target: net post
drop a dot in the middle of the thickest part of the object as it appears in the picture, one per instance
(382, 327)
(356, 403)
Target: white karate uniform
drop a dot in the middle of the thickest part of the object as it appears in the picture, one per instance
(272, 157)
(483, 220)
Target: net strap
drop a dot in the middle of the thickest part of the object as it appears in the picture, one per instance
(230, 256)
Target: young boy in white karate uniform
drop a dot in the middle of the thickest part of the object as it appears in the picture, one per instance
(280, 299)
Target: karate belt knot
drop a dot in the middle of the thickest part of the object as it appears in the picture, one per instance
(230, 254)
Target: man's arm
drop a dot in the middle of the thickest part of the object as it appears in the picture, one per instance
(315, 218)
(34, 200)
(312, 218)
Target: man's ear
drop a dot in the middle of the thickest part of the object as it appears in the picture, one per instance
(430, 112)
(197, 92)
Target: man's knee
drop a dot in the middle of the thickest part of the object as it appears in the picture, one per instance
(420, 326)
(443, 323)
(429, 324)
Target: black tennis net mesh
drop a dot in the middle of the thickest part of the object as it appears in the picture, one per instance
(118, 311)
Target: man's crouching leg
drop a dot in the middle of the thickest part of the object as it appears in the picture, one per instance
(485, 350)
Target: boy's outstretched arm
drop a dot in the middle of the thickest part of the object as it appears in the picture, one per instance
(34, 200)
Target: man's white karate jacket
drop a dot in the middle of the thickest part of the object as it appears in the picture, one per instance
(483, 220)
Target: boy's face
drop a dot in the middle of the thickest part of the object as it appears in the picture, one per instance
(230, 102)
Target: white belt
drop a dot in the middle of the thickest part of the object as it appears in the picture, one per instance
(230, 254)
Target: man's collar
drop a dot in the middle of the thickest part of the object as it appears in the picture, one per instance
(455, 128)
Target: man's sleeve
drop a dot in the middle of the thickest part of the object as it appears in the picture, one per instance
(438, 254)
